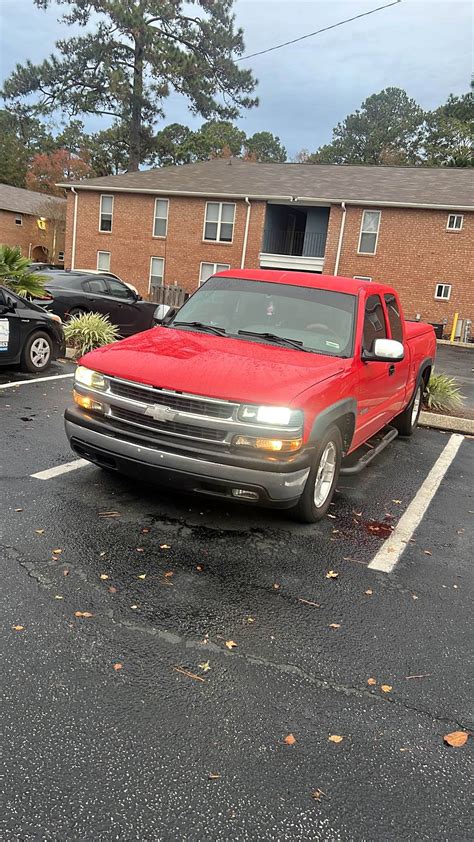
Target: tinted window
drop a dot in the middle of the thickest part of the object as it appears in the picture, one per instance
(97, 286)
(66, 280)
(118, 290)
(374, 322)
(394, 317)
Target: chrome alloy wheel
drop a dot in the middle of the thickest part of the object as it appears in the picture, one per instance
(325, 474)
(40, 352)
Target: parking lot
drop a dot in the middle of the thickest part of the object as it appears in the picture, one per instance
(140, 720)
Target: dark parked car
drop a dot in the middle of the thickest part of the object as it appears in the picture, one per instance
(73, 293)
(28, 335)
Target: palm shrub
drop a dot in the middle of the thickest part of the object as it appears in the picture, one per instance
(89, 331)
(15, 273)
(442, 393)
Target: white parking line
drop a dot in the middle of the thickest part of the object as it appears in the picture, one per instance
(61, 469)
(388, 555)
(35, 380)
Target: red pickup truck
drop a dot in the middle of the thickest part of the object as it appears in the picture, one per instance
(261, 388)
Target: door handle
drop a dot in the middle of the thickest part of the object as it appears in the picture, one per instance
(391, 370)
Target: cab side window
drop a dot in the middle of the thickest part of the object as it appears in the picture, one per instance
(119, 290)
(394, 317)
(374, 322)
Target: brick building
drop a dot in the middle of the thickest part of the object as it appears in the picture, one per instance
(33, 221)
(409, 227)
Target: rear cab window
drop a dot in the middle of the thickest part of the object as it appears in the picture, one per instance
(394, 318)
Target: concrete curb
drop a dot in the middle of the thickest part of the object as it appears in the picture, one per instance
(446, 422)
(469, 345)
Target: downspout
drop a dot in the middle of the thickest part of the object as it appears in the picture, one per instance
(246, 233)
(341, 237)
(74, 226)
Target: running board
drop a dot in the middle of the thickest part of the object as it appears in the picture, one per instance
(374, 450)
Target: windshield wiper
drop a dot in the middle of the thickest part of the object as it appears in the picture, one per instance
(219, 331)
(274, 337)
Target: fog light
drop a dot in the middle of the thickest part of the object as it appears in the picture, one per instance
(273, 445)
(242, 493)
(86, 402)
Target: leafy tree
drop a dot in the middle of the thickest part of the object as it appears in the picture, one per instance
(387, 128)
(109, 149)
(16, 275)
(47, 169)
(449, 133)
(216, 139)
(264, 146)
(13, 155)
(134, 57)
(173, 145)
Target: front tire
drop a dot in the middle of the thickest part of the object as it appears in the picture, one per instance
(322, 479)
(76, 311)
(407, 421)
(37, 353)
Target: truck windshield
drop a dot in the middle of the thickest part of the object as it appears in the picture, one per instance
(319, 320)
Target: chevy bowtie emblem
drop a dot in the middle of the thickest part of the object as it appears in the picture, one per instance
(161, 413)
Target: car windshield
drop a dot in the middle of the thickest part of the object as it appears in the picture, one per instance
(321, 320)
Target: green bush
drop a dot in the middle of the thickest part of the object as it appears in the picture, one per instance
(442, 393)
(89, 331)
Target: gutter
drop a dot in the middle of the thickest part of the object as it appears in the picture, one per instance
(74, 228)
(341, 237)
(246, 233)
(325, 200)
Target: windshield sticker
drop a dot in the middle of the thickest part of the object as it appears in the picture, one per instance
(4, 334)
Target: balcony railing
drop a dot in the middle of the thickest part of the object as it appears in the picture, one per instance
(298, 243)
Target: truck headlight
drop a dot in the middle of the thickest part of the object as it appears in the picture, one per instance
(279, 416)
(87, 377)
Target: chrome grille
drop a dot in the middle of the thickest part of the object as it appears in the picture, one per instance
(169, 427)
(182, 403)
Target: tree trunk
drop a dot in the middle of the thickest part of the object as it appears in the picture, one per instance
(136, 117)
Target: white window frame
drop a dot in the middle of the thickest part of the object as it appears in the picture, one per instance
(219, 223)
(156, 257)
(444, 287)
(106, 196)
(455, 216)
(18, 219)
(361, 278)
(155, 217)
(223, 266)
(369, 210)
(101, 268)
(61, 256)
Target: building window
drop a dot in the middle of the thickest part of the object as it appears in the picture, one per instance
(160, 220)
(455, 221)
(157, 271)
(19, 219)
(106, 213)
(369, 232)
(219, 222)
(443, 292)
(61, 256)
(103, 261)
(362, 278)
(208, 269)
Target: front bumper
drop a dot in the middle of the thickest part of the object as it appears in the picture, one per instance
(181, 470)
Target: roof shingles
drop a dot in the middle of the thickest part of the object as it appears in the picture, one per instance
(26, 201)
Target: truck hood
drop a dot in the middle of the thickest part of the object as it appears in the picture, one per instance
(219, 367)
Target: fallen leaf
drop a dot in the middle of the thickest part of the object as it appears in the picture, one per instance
(456, 738)
(189, 674)
(205, 667)
(427, 552)
(83, 614)
(212, 776)
(65, 572)
(168, 574)
(58, 596)
(104, 576)
(112, 589)
(102, 554)
(290, 740)
(357, 514)
(334, 625)
(369, 592)
(331, 574)
(333, 517)
(18, 628)
(396, 501)
(142, 576)
(276, 586)
(231, 644)
(414, 596)
(335, 738)
(18, 510)
(198, 567)
(386, 688)
(371, 681)
(145, 530)
(316, 794)
(335, 531)
(165, 547)
(250, 620)
(39, 531)
(308, 602)
(56, 552)
(140, 550)
(118, 667)
(134, 606)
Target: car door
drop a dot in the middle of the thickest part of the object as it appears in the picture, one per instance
(133, 318)
(96, 296)
(10, 329)
(375, 391)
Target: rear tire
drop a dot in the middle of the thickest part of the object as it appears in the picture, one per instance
(322, 479)
(37, 353)
(76, 311)
(407, 421)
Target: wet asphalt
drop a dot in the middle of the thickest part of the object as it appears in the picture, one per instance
(148, 752)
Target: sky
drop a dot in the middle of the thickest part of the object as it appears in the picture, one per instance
(423, 46)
